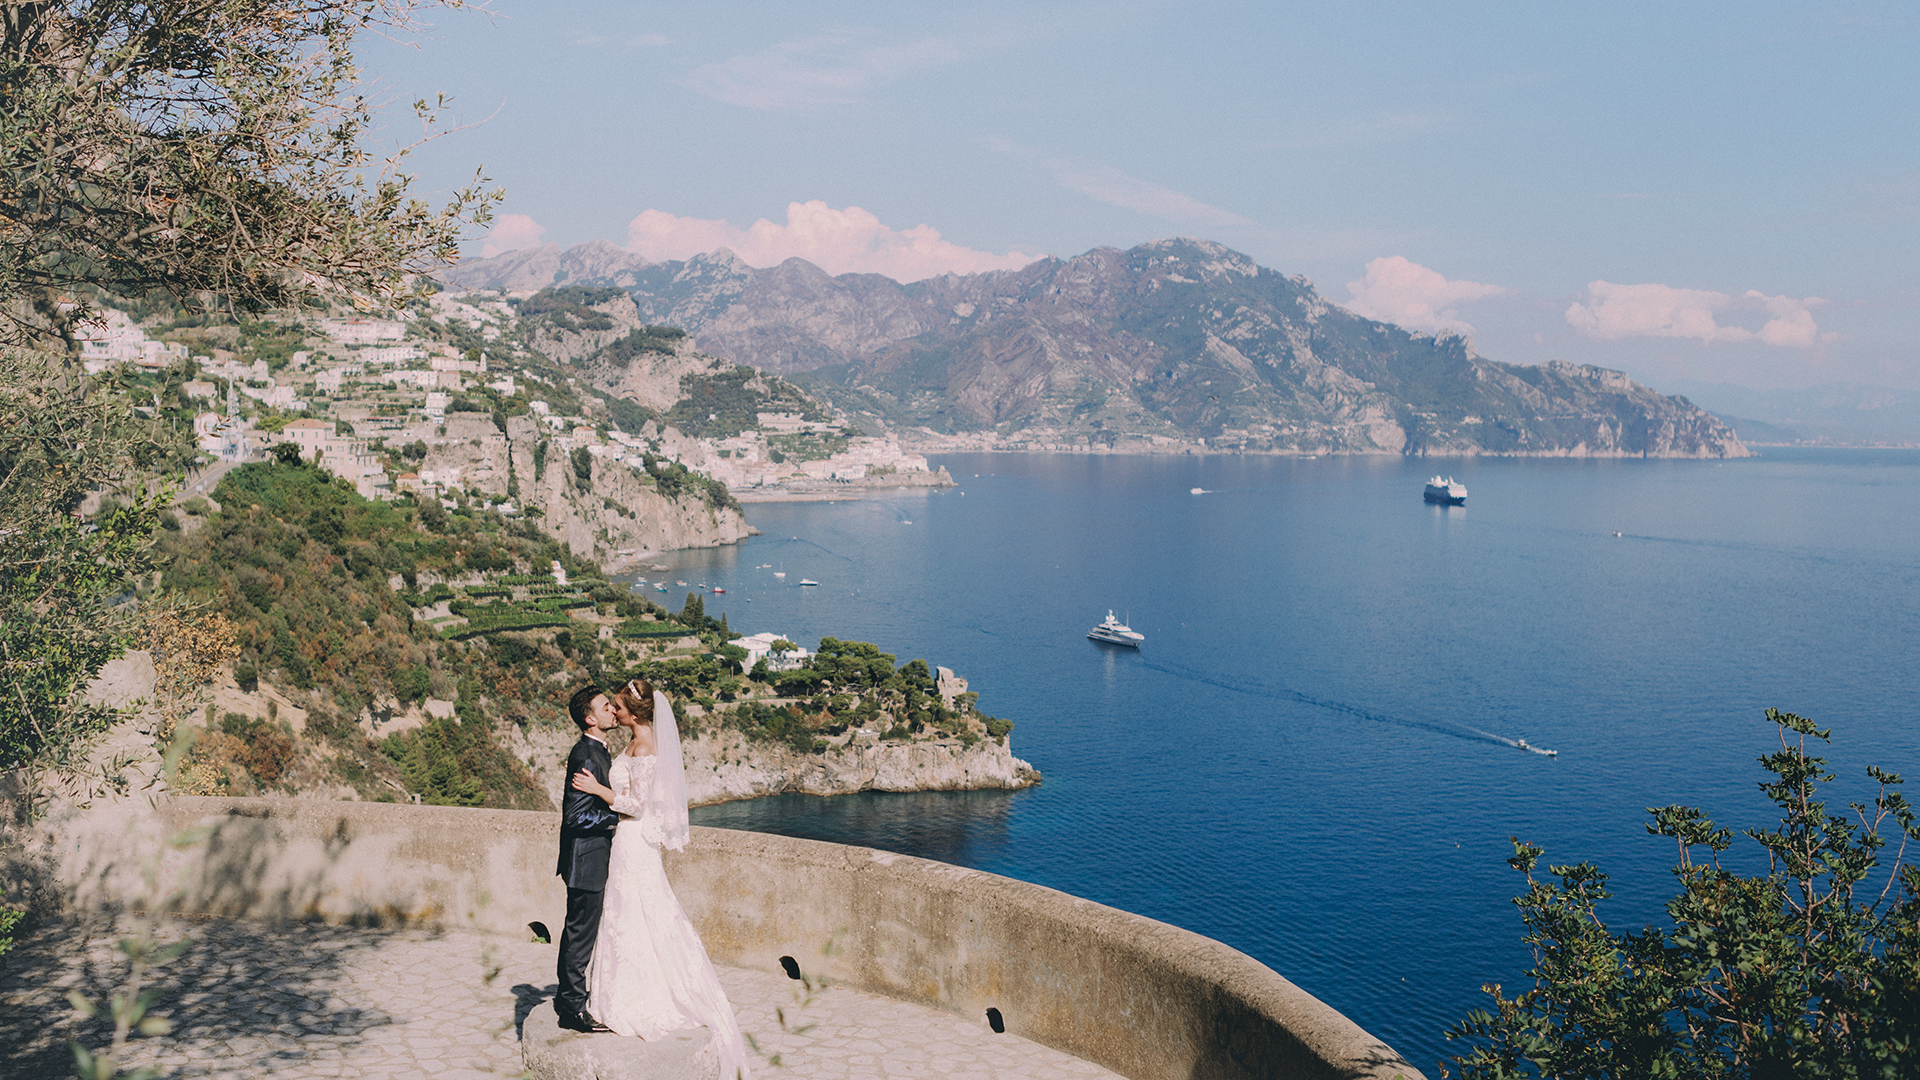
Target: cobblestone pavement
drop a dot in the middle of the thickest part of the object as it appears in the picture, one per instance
(248, 1000)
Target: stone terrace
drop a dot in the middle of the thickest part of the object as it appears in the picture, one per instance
(309, 1000)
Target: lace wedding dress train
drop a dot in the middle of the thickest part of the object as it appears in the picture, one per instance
(650, 974)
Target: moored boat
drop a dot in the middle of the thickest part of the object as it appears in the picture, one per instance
(1115, 632)
(1448, 492)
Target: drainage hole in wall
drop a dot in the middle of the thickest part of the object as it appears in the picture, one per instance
(998, 1025)
(788, 965)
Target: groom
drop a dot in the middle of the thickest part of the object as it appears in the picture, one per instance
(586, 838)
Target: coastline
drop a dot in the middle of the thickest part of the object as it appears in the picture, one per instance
(842, 490)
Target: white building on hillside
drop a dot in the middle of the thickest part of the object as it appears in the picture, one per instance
(309, 435)
(122, 341)
(363, 331)
(390, 355)
(760, 647)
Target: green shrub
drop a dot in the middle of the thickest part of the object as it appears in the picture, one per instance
(1811, 969)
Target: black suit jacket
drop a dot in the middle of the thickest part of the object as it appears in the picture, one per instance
(586, 823)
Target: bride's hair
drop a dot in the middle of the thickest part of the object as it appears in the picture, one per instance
(637, 698)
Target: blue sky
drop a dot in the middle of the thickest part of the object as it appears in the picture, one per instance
(1720, 192)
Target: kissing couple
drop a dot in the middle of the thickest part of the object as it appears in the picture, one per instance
(630, 961)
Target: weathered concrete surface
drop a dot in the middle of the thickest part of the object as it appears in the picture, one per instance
(1145, 999)
(551, 1052)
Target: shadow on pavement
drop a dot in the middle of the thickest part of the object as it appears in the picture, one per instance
(238, 983)
(527, 997)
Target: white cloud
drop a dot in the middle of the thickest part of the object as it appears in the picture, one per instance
(850, 241)
(1612, 312)
(511, 232)
(829, 69)
(1109, 185)
(1115, 188)
(1398, 291)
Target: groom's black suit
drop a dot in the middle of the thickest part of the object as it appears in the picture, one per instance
(586, 839)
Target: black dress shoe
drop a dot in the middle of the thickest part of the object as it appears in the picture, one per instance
(581, 1022)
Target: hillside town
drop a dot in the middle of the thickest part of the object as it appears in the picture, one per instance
(421, 404)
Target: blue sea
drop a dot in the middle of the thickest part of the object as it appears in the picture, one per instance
(1312, 757)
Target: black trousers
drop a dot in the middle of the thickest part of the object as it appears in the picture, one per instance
(576, 948)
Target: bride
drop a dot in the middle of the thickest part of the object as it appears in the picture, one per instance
(650, 974)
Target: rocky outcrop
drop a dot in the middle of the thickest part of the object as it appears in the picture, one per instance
(653, 379)
(1174, 344)
(616, 508)
(723, 766)
(551, 1052)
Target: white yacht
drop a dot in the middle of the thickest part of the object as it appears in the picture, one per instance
(1115, 632)
(1448, 492)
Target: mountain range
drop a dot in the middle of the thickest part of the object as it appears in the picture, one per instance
(1836, 414)
(1173, 343)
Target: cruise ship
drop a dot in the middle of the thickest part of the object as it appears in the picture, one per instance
(1115, 632)
(1448, 492)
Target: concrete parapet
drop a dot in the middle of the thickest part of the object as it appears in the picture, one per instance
(1142, 998)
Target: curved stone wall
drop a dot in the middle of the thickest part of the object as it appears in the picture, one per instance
(1145, 999)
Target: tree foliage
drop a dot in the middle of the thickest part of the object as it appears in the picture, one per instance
(63, 578)
(1808, 971)
(211, 150)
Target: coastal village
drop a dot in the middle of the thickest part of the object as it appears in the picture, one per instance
(432, 403)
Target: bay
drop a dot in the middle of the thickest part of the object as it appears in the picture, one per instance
(1311, 759)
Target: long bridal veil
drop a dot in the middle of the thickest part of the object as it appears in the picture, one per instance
(669, 793)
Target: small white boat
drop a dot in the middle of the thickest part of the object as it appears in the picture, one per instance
(1198, 491)
(1115, 632)
(1524, 745)
(662, 587)
(682, 584)
(1448, 492)
(808, 581)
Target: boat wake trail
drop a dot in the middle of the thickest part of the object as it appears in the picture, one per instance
(1443, 727)
(811, 544)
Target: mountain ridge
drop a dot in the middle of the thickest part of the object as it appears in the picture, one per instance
(1173, 344)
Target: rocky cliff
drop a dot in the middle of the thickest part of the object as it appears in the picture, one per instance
(615, 508)
(1175, 342)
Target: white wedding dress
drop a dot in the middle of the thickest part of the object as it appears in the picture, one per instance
(650, 974)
